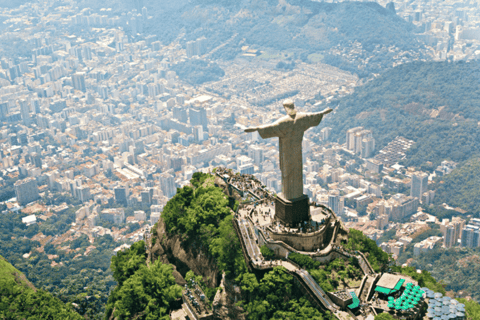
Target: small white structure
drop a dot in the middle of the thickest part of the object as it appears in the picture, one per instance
(28, 220)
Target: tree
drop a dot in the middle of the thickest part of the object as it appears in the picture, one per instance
(267, 253)
(147, 294)
(127, 262)
(226, 248)
(384, 316)
(376, 256)
(249, 284)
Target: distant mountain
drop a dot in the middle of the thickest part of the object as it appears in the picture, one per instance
(20, 299)
(298, 26)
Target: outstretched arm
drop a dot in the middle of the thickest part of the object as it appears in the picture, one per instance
(251, 129)
(314, 119)
(267, 131)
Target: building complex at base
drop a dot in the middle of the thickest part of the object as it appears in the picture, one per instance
(320, 237)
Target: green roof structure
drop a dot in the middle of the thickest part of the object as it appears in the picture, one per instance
(399, 284)
(382, 290)
(355, 303)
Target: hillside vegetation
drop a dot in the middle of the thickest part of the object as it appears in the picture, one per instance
(459, 270)
(20, 300)
(85, 280)
(435, 104)
(143, 292)
(461, 187)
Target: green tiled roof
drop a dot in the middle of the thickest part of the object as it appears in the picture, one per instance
(399, 284)
(382, 290)
(355, 303)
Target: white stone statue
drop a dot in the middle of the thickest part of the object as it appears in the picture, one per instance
(289, 129)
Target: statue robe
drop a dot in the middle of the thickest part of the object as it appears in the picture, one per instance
(289, 131)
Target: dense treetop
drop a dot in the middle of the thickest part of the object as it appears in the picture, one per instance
(143, 292)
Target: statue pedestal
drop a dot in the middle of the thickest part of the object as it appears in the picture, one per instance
(292, 212)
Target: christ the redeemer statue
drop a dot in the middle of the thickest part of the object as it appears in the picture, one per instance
(289, 129)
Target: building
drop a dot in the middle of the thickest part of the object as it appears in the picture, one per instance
(336, 203)
(426, 245)
(78, 80)
(398, 207)
(419, 184)
(351, 137)
(156, 211)
(140, 215)
(198, 116)
(256, 153)
(28, 220)
(180, 113)
(452, 231)
(167, 184)
(470, 236)
(121, 194)
(25, 111)
(190, 49)
(114, 215)
(374, 165)
(26, 191)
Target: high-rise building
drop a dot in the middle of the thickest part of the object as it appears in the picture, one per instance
(26, 191)
(25, 111)
(167, 184)
(452, 231)
(419, 184)
(3, 110)
(180, 113)
(325, 133)
(336, 203)
(198, 116)
(351, 137)
(256, 153)
(470, 236)
(201, 46)
(146, 197)
(368, 147)
(198, 133)
(360, 136)
(78, 80)
(121, 194)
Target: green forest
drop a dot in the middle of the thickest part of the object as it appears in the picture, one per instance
(402, 102)
(459, 270)
(85, 280)
(19, 299)
(143, 292)
(461, 187)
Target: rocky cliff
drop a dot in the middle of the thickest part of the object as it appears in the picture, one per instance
(171, 249)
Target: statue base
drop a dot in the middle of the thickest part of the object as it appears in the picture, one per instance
(292, 212)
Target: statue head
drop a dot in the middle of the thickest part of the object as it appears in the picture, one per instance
(289, 107)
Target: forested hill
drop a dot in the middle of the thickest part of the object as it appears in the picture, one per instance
(292, 25)
(20, 300)
(436, 104)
